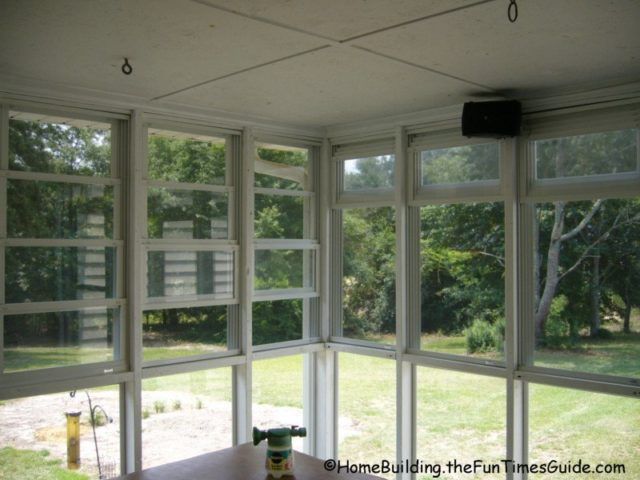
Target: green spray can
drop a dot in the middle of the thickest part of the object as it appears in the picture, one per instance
(279, 459)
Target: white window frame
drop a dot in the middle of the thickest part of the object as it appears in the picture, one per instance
(309, 243)
(480, 190)
(117, 124)
(230, 244)
(354, 150)
(586, 188)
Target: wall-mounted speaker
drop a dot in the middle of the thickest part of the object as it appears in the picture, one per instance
(495, 119)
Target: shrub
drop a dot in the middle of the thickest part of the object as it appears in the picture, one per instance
(158, 406)
(177, 405)
(556, 328)
(480, 337)
(603, 334)
(484, 336)
(145, 414)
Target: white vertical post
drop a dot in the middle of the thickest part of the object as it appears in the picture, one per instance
(131, 398)
(405, 371)
(242, 398)
(325, 361)
(515, 266)
(312, 316)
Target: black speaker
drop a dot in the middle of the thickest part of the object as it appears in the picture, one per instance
(496, 119)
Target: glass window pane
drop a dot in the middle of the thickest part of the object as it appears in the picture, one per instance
(59, 210)
(33, 436)
(469, 163)
(181, 157)
(461, 417)
(368, 276)
(585, 155)
(278, 394)
(58, 339)
(282, 269)
(41, 274)
(185, 415)
(570, 425)
(279, 166)
(277, 321)
(281, 216)
(187, 214)
(369, 173)
(175, 273)
(38, 143)
(462, 278)
(174, 333)
(586, 276)
(366, 409)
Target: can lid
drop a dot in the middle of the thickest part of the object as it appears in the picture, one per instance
(72, 414)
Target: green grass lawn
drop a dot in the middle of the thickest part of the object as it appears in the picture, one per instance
(31, 358)
(27, 464)
(617, 356)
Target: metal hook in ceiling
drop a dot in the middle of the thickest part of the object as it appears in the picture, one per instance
(126, 67)
(512, 11)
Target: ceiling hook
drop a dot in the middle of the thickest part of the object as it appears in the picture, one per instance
(512, 11)
(126, 68)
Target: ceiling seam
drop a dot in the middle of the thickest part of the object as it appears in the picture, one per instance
(238, 72)
(415, 20)
(265, 20)
(422, 67)
(335, 43)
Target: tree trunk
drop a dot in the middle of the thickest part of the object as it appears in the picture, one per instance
(553, 265)
(595, 295)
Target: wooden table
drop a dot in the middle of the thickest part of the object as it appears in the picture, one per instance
(244, 462)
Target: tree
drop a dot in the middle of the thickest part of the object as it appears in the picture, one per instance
(583, 227)
(462, 251)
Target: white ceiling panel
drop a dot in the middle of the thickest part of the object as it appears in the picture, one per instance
(171, 44)
(329, 86)
(553, 44)
(339, 19)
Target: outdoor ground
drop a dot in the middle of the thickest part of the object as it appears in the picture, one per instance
(460, 416)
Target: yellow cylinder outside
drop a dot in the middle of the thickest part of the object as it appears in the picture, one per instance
(73, 440)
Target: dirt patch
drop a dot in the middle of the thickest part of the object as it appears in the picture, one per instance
(189, 425)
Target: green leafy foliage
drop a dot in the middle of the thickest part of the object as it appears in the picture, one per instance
(462, 249)
(590, 154)
(277, 321)
(186, 160)
(199, 324)
(59, 148)
(369, 173)
(368, 272)
(460, 164)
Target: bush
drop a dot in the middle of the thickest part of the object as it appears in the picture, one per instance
(556, 328)
(482, 336)
(603, 334)
(158, 406)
